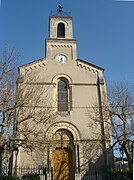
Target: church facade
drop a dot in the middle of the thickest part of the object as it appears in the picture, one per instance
(61, 126)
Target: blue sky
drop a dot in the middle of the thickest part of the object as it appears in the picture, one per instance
(104, 30)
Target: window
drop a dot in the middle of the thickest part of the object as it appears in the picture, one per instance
(62, 95)
(61, 30)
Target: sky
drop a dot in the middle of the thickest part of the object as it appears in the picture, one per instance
(104, 30)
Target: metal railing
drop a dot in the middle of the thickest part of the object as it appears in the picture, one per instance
(94, 174)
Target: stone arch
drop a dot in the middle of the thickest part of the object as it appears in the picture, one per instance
(55, 81)
(64, 23)
(55, 78)
(62, 125)
(68, 152)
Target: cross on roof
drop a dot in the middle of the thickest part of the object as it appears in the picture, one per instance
(59, 9)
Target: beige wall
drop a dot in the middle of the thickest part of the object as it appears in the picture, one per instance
(83, 80)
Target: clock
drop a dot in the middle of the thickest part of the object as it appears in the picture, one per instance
(61, 59)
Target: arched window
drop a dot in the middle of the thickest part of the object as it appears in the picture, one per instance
(62, 95)
(61, 30)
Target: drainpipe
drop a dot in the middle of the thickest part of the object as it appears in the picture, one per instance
(100, 82)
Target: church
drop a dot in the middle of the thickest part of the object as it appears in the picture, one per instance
(61, 123)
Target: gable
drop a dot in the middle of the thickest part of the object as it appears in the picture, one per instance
(42, 62)
(79, 70)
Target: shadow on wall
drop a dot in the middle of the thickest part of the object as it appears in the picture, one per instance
(99, 170)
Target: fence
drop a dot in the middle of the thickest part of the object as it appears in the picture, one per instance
(94, 174)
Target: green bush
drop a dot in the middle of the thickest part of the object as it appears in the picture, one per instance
(120, 175)
(4, 177)
(31, 177)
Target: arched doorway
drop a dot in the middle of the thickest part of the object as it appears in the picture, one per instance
(63, 162)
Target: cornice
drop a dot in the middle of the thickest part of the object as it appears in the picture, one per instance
(33, 65)
(88, 66)
(61, 40)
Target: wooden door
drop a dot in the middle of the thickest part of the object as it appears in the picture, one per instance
(63, 164)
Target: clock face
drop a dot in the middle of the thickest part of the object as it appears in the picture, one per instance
(61, 58)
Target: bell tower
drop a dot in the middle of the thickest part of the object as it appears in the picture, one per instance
(60, 41)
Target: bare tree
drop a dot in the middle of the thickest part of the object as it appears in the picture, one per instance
(34, 112)
(121, 107)
(99, 120)
(8, 64)
(118, 117)
(25, 109)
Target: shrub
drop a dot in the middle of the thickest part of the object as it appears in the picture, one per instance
(120, 175)
(31, 177)
(4, 177)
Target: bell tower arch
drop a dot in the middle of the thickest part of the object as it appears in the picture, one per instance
(61, 30)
